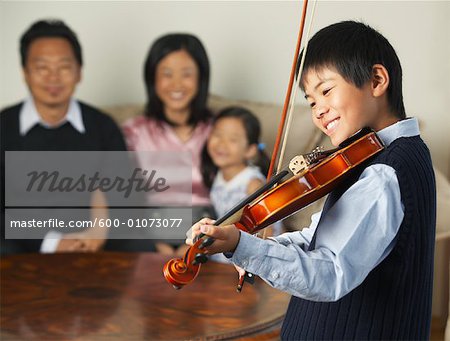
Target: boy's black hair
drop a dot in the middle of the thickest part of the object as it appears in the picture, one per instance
(252, 131)
(49, 29)
(352, 48)
(161, 48)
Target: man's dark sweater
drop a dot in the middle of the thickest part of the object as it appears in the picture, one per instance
(101, 134)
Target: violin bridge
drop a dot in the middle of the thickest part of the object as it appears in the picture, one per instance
(298, 164)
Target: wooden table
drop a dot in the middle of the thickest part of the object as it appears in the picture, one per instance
(119, 296)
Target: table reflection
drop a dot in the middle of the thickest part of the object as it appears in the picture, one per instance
(125, 296)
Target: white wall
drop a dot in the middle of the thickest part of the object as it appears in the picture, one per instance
(250, 44)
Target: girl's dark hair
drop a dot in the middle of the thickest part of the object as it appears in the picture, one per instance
(49, 29)
(253, 132)
(353, 48)
(161, 48)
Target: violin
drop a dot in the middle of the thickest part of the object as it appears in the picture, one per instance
(314, 175)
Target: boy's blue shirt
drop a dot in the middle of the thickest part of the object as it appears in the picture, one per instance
(357, 233)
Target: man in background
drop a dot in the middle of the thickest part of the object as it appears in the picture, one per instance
(50, 119)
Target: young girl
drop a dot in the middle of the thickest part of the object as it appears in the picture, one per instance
(176, 120)
(233, 160)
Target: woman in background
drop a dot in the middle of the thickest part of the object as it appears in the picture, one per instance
(176, 119)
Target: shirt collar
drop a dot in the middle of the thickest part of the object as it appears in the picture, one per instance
(29, 117)
(403, 128)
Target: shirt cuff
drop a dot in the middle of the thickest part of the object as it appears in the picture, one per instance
(50, 242)
(250, 250)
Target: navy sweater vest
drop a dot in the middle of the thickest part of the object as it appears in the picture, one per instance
(394, 301)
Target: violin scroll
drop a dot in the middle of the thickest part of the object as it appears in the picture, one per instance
(180, 272)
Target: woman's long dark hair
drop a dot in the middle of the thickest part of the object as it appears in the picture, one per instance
(253, 132)
(161, 48)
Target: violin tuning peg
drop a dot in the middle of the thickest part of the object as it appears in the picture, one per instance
(207, 242)
(200, 258)
(318, 149)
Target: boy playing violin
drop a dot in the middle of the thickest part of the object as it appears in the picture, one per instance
(363, 269)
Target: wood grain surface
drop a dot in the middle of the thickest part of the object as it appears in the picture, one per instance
(115, 296)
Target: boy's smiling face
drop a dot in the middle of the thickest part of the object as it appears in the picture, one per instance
(340, 109)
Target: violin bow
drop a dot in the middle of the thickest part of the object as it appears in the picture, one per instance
(291, 93)
(287, 113)
(290, 98)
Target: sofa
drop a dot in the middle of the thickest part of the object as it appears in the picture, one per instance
(303, 137)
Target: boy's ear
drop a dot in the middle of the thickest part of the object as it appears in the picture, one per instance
(380, 80)
(252, 151)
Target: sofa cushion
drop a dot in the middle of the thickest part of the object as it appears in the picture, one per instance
(121, 113)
